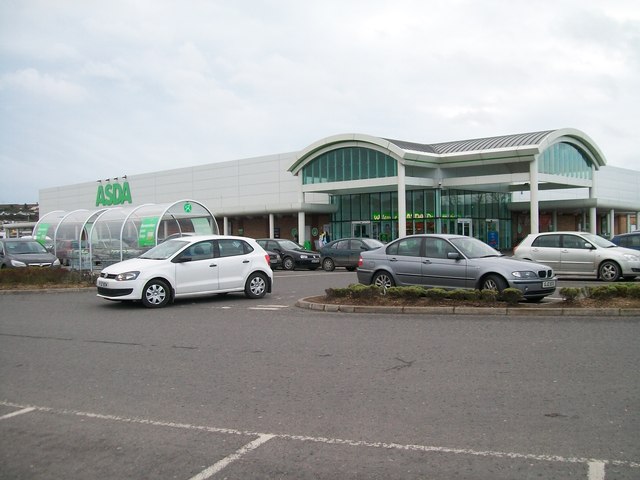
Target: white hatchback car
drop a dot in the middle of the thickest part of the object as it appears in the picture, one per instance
(189, 266)
(580, 254)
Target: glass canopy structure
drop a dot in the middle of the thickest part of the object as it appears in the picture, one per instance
(92, 239)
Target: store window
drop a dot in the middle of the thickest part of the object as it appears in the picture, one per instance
(566, 160)
(347, 164)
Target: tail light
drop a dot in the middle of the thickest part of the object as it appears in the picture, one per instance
(266, 257)
(360, 261)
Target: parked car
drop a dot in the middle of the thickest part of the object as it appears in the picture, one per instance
(452, 261)
(628, 240)
(70, 252)
(580, 254)
(275, 260)
(24, 252)
(187, 267)
(293, 255)
(345, 252)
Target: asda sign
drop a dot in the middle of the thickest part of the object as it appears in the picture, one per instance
(113, 194)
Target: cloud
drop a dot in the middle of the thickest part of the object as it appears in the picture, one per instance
(32, 82)
(149, 85)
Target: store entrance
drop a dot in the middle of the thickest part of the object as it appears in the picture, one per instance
(361, 229)
(465, 227)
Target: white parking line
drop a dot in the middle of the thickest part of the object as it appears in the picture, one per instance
(19, 412)
(596, 467)
(216, 467)
(596, 471)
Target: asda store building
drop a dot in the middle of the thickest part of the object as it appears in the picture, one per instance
(497, 189)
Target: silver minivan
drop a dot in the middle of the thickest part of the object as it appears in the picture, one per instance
(580, 254)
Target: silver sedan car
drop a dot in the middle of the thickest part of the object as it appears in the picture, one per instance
(453, 261)
(580, 254)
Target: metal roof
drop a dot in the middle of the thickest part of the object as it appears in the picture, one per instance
(476, 144)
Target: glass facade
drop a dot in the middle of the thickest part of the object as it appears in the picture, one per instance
(351, 163)
(483, 215)
(565, 159)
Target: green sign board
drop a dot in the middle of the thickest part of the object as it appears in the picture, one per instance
(113, 194)
(41, 232)
(147, 237)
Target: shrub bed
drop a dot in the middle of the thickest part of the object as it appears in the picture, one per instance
(616, 295)
(20, 278)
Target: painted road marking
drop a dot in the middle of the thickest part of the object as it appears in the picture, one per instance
(268, 307)
(216, 467)
(596, 471)
(596, 467)
(19, 412)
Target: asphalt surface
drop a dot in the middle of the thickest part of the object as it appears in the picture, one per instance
(232, 388)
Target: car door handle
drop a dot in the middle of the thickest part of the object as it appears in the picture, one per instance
(426, 261)
(246, 261)
(213, 265)
(393, 259)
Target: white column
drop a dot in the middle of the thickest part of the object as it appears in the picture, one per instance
(534, 209)
(593, 217)
(225, 226)
(272, 227)
(612, 222)
(301, 222)
(402, 202)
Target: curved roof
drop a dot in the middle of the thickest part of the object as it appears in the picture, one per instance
(477, 144)
(399, 148)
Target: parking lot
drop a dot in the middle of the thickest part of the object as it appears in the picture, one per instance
(227, 387)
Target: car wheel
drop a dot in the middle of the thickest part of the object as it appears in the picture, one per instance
(288, 263)
(609, 271)
(328, 265)
(156, 294)
(493, 282)
(383, 280)
(256, 286)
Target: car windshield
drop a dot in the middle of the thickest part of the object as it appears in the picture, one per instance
(165, 250)
(598, 241)
(24, 247)
(474, 248)
(289, 245)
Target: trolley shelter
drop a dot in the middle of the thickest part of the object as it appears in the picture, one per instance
(92, 239)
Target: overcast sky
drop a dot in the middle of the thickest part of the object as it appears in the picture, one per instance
(97, 89)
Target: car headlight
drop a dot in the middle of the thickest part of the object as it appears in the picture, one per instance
(123, 277)
(303, 256)
(18, 263)
(630, 257)
(524, 274)
(56, 263)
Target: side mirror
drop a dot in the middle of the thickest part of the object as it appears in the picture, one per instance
(588, 246)
(454, 256)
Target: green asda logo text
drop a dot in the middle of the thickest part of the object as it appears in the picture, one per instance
(113, 194)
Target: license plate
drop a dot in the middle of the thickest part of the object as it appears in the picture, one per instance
(102, 283)
(549, 284)
(315, 260)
